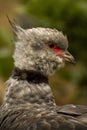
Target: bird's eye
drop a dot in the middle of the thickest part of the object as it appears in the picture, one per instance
(54, 47)
(51, 45)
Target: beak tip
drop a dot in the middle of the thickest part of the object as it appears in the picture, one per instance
(74, 62)
(69, 58)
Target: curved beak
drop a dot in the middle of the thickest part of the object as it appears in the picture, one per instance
(68, 57)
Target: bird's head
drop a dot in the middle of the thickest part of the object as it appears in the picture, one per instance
(40, 49)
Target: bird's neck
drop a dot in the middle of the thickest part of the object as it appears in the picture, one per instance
(30, 76)
(28, 87)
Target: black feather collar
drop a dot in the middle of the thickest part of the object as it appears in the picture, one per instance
(29, 75)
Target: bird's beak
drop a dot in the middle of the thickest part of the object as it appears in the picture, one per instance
(68, 57)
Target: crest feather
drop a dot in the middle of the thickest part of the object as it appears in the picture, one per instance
(15, 27)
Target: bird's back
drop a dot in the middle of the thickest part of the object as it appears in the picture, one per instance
(29, 117)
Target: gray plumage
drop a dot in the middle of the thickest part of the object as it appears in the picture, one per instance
(29, 103)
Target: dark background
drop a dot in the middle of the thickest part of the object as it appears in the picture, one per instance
(70, 16)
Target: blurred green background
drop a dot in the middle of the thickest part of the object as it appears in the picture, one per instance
(69, 83)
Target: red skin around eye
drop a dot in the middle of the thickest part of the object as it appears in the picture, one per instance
(57, 50)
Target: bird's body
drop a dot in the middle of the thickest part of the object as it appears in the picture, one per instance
(29, 103)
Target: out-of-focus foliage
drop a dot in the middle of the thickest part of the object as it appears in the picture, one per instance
(5, 53)
(69, 16)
